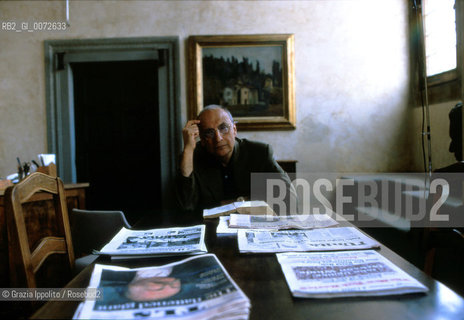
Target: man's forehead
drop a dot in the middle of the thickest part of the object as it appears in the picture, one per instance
(213, 118)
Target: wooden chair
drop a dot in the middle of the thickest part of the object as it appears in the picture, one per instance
(27, 250)
(288, 166)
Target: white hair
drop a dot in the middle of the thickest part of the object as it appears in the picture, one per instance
(214, 107)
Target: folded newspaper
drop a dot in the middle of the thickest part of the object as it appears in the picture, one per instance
(344, 274)
(194, 288)
(224, 230)
(242, 207)
(128, 244)
(308, 221)
(223, 227)
(327, 239)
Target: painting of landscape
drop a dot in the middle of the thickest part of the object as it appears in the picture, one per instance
(247, 80)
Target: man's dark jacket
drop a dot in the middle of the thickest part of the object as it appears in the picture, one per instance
(204, 187)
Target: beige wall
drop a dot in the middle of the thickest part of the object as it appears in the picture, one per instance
(352, 72)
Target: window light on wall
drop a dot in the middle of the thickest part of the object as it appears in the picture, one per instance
(440, 35)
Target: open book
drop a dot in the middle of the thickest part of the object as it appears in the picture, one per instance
(156, 242)
(194, 288)
(243, 207)
(325, 239)
(344, 274)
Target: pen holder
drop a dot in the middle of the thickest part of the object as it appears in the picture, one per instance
(50, 169)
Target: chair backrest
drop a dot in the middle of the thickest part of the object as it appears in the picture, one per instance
(25, 261)
(92, 229)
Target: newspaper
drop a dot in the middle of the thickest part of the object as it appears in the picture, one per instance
(311, 221)
(243, 207)
(223, 227)
(195, 288)
(156, 242)
(344, 274)
(327, 239)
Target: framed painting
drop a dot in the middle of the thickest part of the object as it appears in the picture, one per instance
(251, 75)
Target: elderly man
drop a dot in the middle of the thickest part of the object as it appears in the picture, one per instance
(217, 169)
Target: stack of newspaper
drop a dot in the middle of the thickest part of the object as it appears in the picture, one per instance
(308, 221)
(229, 225)
(326, 239)
(223, 227)
(243, 207)
(194, 288)
(344, 274)
(128, 244)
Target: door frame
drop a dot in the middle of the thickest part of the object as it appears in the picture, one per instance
(60, 98)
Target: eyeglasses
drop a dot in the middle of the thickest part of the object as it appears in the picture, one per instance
(223, 129)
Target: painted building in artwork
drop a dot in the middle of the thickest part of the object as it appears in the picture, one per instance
(240, 94)
(248, 95)
(229, 96)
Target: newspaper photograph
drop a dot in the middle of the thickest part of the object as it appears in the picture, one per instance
(307, 221)
(345, 274)
(326, 239)
(168, 241)
(195, 288)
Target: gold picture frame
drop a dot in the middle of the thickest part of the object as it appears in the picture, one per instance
(252, 75)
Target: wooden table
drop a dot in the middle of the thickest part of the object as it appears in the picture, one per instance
(261, 278)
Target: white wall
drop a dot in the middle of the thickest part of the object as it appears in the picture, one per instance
(352, 72)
